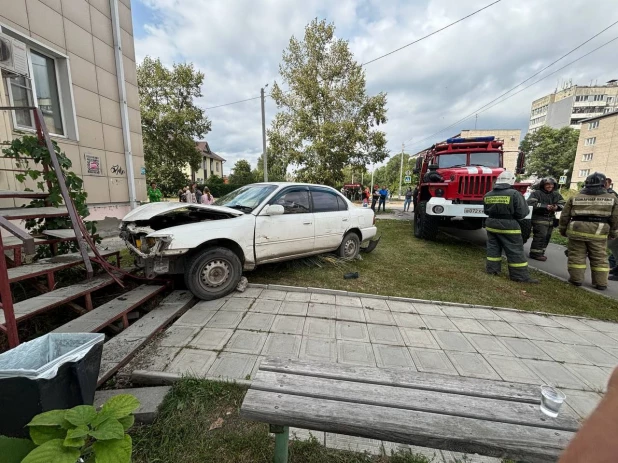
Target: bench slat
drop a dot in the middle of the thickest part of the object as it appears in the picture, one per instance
(408, 379)
(501, 411)
(535, 445)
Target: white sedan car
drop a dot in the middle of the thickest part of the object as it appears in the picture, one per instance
(255, 224)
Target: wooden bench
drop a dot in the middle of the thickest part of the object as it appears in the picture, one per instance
(455, 413)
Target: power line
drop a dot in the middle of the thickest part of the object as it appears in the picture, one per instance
(433, 33)
(234, 102)
(487, 106)
(389, 53)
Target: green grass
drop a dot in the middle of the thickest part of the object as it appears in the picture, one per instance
(445, 270)
(557, 238)
(182, 432)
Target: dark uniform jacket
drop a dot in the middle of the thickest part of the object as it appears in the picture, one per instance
(504, 207)
(540, 199)
(591, 215)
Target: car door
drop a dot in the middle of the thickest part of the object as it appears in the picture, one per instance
(290, 234)
(331, 216)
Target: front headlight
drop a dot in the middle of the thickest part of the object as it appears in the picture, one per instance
(151, 242)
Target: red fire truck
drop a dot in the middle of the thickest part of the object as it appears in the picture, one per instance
(453, 177)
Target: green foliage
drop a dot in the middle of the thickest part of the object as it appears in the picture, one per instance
(241, 173)
(550, 151)
(221, 189)
(171, 121)
(35, 160)
(326, 120)
(63, 436)
(277, 167)
(388, 175)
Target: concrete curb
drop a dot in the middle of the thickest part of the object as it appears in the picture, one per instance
(161, 378)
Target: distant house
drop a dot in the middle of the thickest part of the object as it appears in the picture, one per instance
(212, 164)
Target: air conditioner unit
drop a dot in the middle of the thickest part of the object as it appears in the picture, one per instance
(13, 56)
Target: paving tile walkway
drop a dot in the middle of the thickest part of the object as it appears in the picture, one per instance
(228, 338)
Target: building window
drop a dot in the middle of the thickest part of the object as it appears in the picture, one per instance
(590, 141)
(217, 166)
(587, 157)
(584, 173)
(599, 97)
(47, 87)
(593, 125)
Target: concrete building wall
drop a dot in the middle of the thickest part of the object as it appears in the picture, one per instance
(511, 143)
(602, 156)
(77, 35)
(559, 113)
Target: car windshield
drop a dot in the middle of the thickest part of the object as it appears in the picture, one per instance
(485, 159)
(452, 160)
(246, 198)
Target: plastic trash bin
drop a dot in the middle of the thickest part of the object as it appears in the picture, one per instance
(55, 371)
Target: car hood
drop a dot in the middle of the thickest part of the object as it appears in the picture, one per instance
(150, 210)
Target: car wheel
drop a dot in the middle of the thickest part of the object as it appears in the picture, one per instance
(350, 246)
(213, 273)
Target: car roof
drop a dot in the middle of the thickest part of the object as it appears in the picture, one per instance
(291, 183)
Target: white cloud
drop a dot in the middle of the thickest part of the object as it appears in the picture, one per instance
(430, 85)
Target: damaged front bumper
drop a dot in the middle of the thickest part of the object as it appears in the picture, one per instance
(371, 245)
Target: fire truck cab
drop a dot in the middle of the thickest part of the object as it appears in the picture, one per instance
(453, 177)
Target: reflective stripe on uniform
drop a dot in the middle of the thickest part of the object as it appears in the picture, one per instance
(494, 259)
(497, 230)
(577, 266)
(599, 269)
(523, 264)
(585, 235)
(497, 200)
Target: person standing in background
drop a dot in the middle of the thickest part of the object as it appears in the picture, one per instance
(365, 196)
(612, 245)
(545, 202)
(207, 198)
(197, 192)
(154, 194)
(408, 200)
(375, 196)
(383, 195)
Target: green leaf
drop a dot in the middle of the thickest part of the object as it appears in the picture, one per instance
(80, 415)
(80, 431)
(14, 450)
(77, 442)
(52, 452)
(127, 421)
(120, 405)
(51, 418)
(42, 434)
(109, 429)
(113, 451)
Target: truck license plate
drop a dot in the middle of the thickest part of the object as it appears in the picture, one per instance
(473, 210)
(162, 266)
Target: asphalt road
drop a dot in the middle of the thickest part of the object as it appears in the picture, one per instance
(556, 263)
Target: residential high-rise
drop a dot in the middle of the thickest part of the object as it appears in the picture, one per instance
(571, 105)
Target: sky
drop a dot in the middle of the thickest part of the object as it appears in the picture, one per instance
(430, 85)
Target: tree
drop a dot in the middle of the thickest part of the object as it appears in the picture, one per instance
(388, 175)
(241, 173)
(277, 167)
(325, 120)
(549, 152)
(170, 120)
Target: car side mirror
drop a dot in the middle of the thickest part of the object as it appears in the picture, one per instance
(275, 209)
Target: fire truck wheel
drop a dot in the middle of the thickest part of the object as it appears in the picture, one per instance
(425, 226)
(526, 229)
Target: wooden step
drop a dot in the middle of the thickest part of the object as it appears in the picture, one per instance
(30, 307)
(108, 313)
(24, 213)
(23, 194)
(120, 349)
(53, 264)
(61, 233)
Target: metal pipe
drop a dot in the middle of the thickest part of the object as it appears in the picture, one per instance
(124, 109)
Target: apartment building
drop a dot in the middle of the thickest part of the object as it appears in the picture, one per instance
(597, 149)
(511, 139)
(571, 105)
(211, 164)
(75, 59)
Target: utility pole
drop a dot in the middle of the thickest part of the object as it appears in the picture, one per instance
(371, 186)
(264, 155)
(401, 170)
(476, 119)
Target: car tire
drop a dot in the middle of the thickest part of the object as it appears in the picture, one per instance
(213, 273)
(350, 246)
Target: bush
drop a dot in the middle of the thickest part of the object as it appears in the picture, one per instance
(218, 190)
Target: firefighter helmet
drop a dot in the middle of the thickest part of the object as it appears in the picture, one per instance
(506, 177)
(547, 180)
(596, 179)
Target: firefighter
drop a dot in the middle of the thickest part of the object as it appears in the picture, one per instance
(504, 207)
(588, 219)
(545, 201)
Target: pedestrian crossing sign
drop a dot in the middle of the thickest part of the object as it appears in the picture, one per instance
(407, 179)
(562, 180)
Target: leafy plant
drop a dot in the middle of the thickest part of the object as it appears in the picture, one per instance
(35, 160)
(65, 436)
